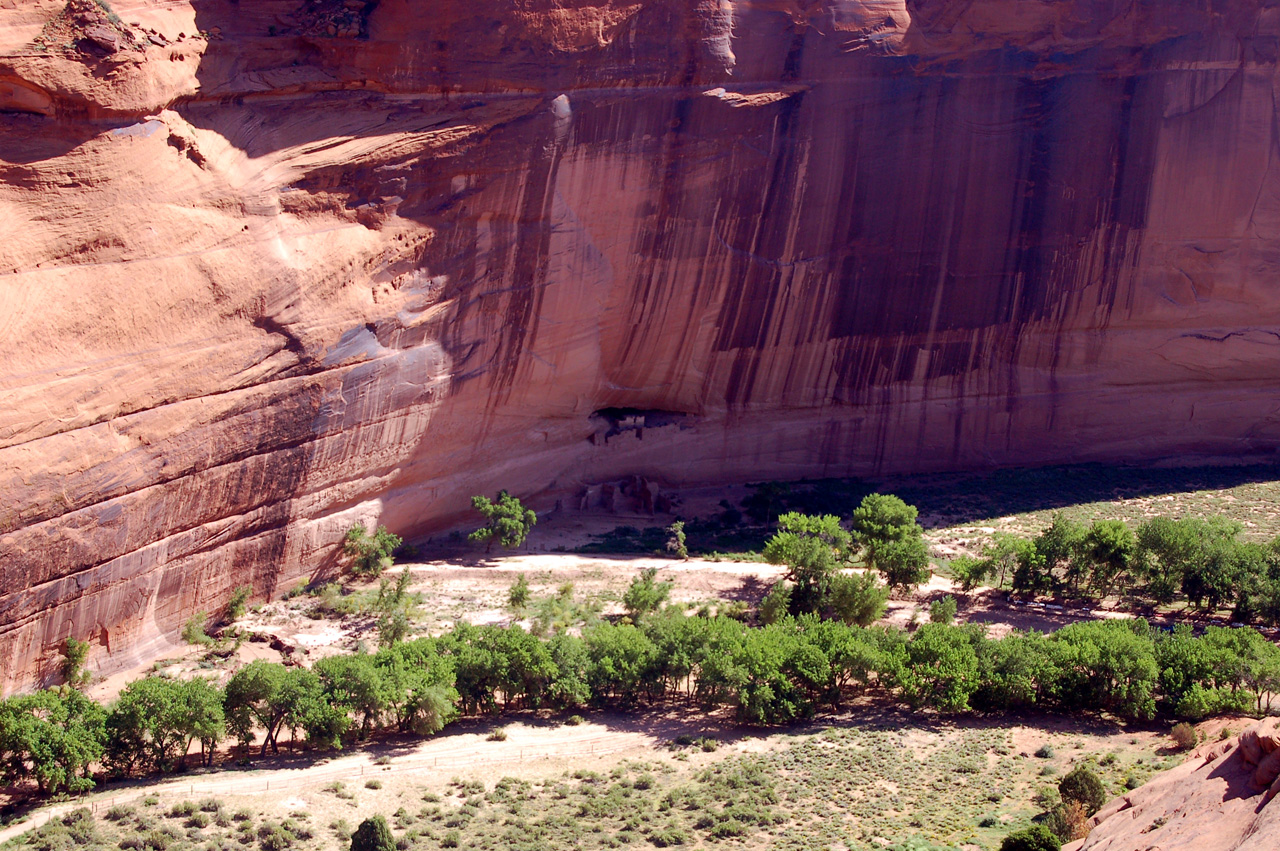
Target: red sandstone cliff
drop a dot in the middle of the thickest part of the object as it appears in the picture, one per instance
(271, 267)
(1220, 799)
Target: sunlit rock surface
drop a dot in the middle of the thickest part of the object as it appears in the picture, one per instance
(1220, 799)
(269, 268)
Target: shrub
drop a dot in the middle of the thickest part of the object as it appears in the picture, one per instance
(943, 611)
(856, 598)
(1083, 786)
(74, 654)
(373, 784)
(450, 839)
(154, 840)
(369, 554)
(729, 828)
(120, 812)
(180, 810)
(239, 602)
(667, 836)
(1045, 752)
(1184, 735)
(498, 735)
(676, 540)
(774, 605)
(518, 596)
(1067, 821)
(278, 837)
(644, 595)
(574, 720)
(1034, 838)
(193, 631)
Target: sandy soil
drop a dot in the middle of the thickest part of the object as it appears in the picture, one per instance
(534, 748)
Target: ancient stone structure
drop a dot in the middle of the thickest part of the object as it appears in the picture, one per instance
(270, 268)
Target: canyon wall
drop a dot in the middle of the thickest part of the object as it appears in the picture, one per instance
(1221, 798)
(270, 268)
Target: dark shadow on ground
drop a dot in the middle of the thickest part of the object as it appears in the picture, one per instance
(966, 498)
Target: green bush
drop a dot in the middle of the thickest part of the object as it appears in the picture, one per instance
(194, 630)
(182, 809)
(373, 834)
(238, 602)
(644, 596)
(676, 540)
(943, 611)
(518, 596)
(370, 555)
(75, 653)
(1085, 788)
(1034, 838)
(774, 605)
(507, 521)
(665, 837)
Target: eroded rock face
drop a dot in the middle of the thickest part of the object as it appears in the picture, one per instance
(1220, 799)
(262, 280)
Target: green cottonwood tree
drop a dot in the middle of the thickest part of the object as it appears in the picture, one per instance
(53, 737)
(885, 528)
(939, 668)
(507, 521)
(272, 697)
(812, 547)
(154, 721)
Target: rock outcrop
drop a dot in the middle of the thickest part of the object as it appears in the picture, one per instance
(270, 268)
(1220, 799)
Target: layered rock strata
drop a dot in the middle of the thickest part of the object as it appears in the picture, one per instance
(271, 268)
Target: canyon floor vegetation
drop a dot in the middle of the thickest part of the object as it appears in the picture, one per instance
(858, 781)
(810, 685)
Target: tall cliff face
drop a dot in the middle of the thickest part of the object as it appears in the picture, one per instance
(271, 268)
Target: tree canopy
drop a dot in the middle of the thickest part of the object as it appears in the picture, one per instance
(507, 521)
